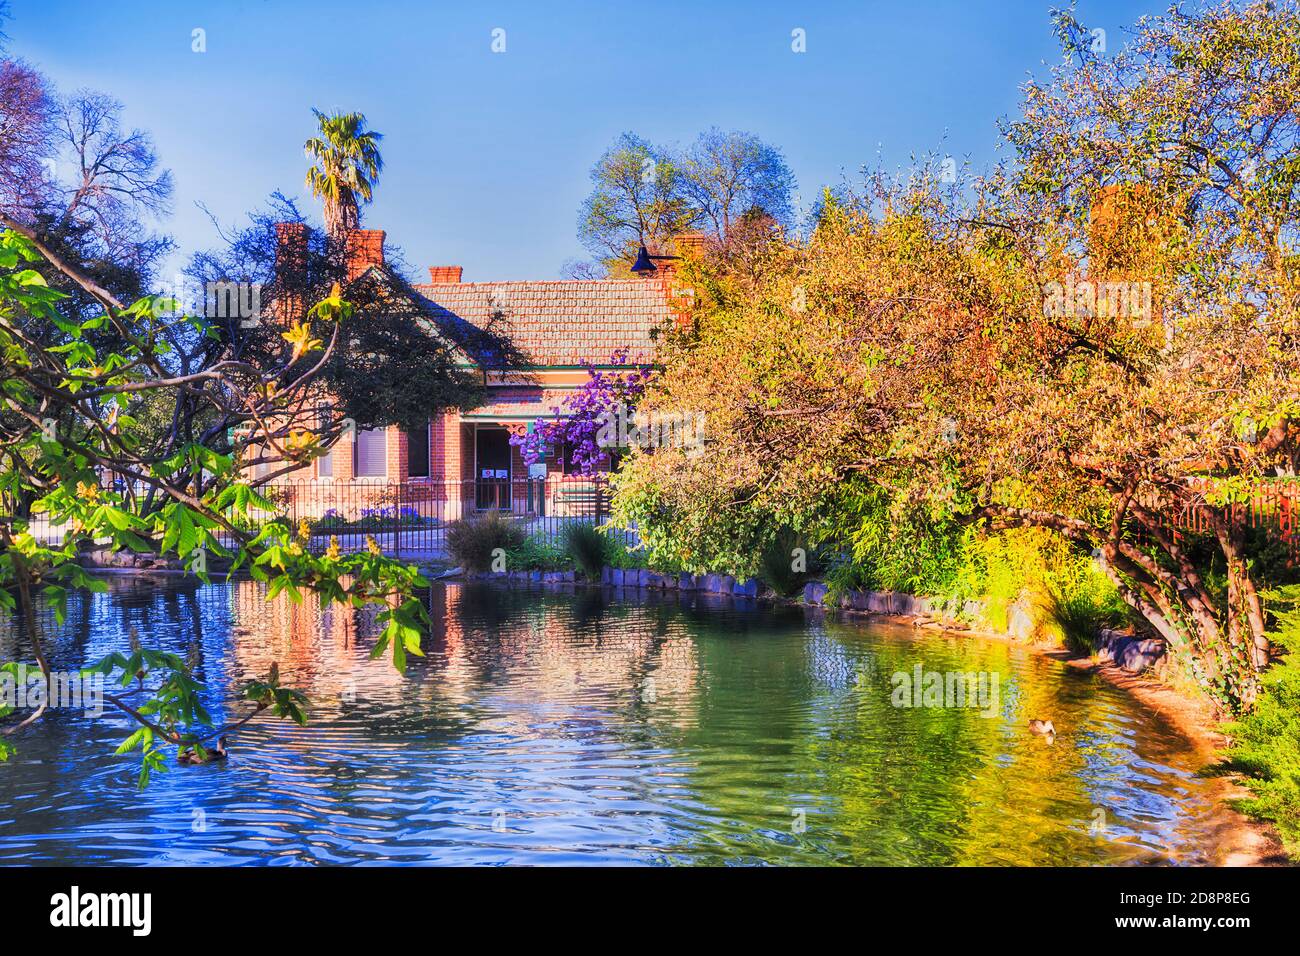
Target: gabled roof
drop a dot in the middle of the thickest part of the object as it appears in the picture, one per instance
(471, 344)
(561, 323)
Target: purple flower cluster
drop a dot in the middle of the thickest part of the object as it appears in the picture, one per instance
(405, 512)
(584, 413)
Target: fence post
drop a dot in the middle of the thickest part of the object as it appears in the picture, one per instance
(397, 522)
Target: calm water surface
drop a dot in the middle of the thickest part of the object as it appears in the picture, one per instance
(583, 728)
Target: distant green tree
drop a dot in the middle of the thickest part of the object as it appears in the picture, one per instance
(637, 199)
(729, 184)
(728, 175)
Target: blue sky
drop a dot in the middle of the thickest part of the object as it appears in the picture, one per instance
(487, 155)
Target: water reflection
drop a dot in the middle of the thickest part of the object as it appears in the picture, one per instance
(577, 728)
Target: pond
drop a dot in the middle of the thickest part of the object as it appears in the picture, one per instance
(596, 728)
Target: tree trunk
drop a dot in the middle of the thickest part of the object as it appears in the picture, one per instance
(341, 218)
(1224, 651)
(1245, 612)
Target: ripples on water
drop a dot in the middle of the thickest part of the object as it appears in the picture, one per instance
(545, 727)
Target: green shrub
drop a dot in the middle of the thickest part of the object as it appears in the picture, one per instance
(472, 541)
(711, 535)
(842, 575)
(1068, 595)
(588, 547)
(776, 564)
(538, 553)
(896, 544)
(1266, 742)
(913, 540)
(621, 556)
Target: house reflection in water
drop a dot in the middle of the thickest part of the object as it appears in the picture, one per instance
(535, 651)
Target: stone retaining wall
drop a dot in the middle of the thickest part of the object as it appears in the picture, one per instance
(1133, 654)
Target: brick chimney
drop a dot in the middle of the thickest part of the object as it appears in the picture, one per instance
(691, 244)
(290, 267)
(686, 245)
(290, 247)
(444, 275)
(365, 249)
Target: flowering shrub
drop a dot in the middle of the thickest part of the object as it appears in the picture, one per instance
(584, 413)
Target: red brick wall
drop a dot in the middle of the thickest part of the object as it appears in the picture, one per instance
(290, 266)
(467, 452)
(444, 446)
(518, 470)
(395, 449)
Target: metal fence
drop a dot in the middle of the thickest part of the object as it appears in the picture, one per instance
(411, 518)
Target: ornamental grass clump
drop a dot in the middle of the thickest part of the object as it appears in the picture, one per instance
(476, 543)
(589, 548)
(783, 565)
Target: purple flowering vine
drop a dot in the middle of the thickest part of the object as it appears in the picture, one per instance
(605, 396)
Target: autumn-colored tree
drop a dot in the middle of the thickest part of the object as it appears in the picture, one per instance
(1099, 343)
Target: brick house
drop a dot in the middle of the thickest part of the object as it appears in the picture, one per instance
(462, 461)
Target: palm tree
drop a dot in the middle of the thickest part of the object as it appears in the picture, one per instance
(346, 169)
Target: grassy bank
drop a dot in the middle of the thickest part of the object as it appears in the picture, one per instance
(1266, 743)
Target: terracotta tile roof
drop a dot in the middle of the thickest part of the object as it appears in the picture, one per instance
(562, 322)
(382, 284)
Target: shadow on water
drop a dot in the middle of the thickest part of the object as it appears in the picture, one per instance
(598, 727)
